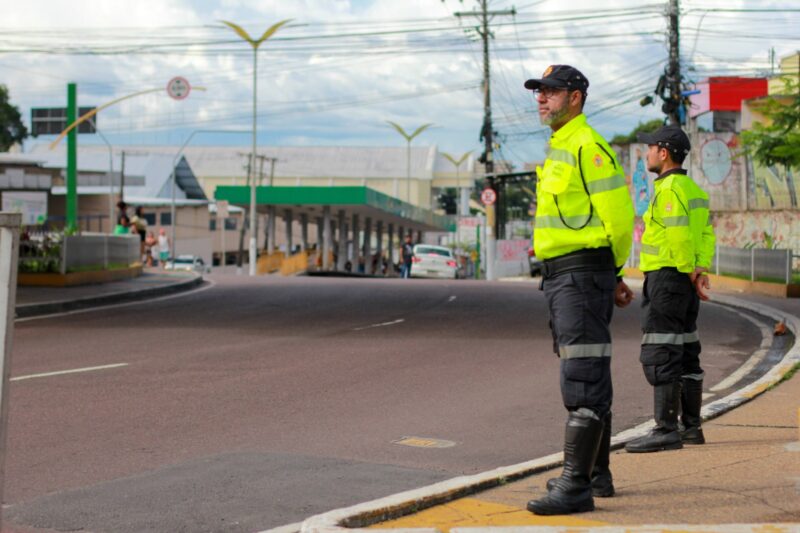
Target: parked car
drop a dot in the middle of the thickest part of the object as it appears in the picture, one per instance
(431, 261)
(534, 263)
(191, 263)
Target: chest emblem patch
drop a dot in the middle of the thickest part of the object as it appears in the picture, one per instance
(668, 207)
(598, 161)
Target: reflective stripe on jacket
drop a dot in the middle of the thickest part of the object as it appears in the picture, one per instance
(582, 197)
(677, 229)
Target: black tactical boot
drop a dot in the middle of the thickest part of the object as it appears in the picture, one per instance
(691, 402)
(602, 482)
(665, 435)
(572, 492)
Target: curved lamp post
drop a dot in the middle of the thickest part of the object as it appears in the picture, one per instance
(408, 138)
(457, 164)
(255, 43)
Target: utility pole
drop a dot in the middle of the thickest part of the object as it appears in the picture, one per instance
(487, 131)
(272, 161)
(239, 257)
(673, 107)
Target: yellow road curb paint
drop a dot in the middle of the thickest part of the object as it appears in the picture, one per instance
(471, 512)
(424, 442)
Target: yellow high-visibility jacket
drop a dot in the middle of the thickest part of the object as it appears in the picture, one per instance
(677, 230)
(582, 198)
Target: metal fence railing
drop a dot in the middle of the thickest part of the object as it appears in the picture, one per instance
(755, 264)
(55, 252)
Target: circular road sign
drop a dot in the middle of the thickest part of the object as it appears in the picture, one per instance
(178, 88)
(488, 196)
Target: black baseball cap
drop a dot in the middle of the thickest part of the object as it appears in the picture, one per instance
(560, 77)
(673, 138)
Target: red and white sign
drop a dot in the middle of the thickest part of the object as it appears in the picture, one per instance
(488, 196)
(178, 88)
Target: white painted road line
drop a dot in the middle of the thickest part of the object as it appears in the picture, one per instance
(393, 322)
(451, 298)
(73, 371)
(755, 359)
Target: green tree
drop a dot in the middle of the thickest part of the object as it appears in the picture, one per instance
(646, 127)
(777, 141)
(12, 130)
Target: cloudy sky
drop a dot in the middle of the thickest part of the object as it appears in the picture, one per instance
(341, 68)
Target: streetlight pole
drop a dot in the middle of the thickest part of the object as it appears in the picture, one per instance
(457, 163)
(173, 221)
(255, 43)
(408, 138)
(459, 204)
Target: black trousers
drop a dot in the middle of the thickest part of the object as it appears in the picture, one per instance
(581, 305)
(670, 344)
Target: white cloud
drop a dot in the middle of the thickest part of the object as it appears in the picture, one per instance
(315, 77)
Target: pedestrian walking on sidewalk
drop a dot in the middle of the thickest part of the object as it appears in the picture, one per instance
(583, 232)
(677, 248)
(407, 256)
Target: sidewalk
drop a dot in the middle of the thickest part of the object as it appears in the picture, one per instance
(37, 301)
(746, 478)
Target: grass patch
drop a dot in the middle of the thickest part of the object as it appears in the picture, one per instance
(786, 377)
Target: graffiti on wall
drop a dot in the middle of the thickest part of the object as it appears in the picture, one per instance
(773, 187)
(717, 164)
(761, 229)
(719, 168)
(641, 181)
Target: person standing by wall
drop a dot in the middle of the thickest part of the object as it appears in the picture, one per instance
(140, 224)
(677, 249)
(583, 233)
(163, 247)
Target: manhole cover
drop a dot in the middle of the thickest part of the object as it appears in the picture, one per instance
(424, 442)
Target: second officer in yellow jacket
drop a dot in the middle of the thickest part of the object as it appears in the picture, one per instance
(677, 248)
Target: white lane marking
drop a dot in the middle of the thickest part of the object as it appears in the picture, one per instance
(753, 360)
(73, 371)
(451, 298)
(210, 285)
(393, 322)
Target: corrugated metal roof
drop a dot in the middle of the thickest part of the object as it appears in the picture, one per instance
(154, 168)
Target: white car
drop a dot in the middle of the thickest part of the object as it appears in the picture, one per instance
(191, 263)
(431, 261)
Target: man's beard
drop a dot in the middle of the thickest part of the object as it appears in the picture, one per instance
(554, 116)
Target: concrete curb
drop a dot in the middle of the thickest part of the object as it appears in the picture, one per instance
(652, 528)
(352, 518)
(88, 302)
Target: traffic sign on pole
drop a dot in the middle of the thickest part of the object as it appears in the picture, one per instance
(178, 88)
(488, 196)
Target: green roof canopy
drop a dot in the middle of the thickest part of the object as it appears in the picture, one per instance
(361, 201)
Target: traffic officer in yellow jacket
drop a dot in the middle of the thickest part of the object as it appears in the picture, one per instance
(677, 248)
(583, 232)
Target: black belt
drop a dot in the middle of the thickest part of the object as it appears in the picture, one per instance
(594, 259)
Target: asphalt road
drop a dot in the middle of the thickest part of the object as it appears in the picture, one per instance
(253, 403)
